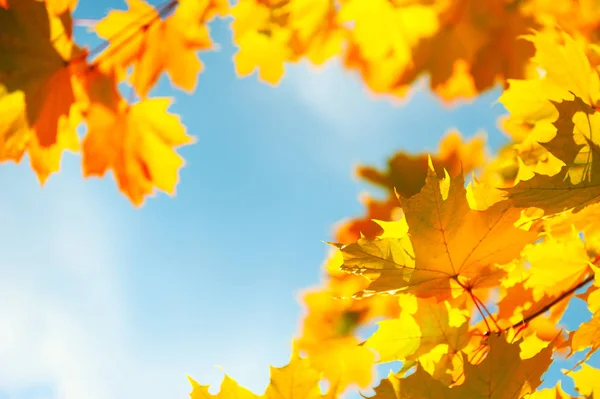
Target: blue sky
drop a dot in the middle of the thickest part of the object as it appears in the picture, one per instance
(102, 300)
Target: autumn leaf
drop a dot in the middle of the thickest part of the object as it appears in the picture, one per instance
(295, 380)
(317, 33)
(555, 264)
(455, 247)
(152, 41)
(586, 380)
(501, 375)
(262, 41)
(329, 329)
(137, 143)
(433, 333)
(382, 38)
(479, 44)
(587, 335)
(551, 393)
(37, 61)
(229, 390)
(199, 391)
(406, 173)
(17, 138)
(577, 185)
(560, 104)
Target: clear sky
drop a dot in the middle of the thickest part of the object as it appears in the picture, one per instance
(101, 300)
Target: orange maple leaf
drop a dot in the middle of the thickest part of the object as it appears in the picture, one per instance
(501, 375)
(137, 143)
(17, 138)
(454, 247)
(39, 60)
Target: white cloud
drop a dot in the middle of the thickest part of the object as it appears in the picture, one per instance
(67, 328)
(62, 314)
(340, 97)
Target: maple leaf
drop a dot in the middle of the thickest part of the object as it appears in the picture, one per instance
(199, 391)
(295, 380)
(560, 104)
(586, 380)
(536, 294)
(556, 264)
(262, 37)
(230, 389)
(455, 247)
(583, 221)
(551, 393)
(501, 375)
(317, 33)
(351, 230)
(406, 173)
(136, 142)
(37, 60)
(479, 44)
(382, 27)
(17, 138)
(432, 333)
(577, 185)
(139, 37)
(382, 37)
(328, 333)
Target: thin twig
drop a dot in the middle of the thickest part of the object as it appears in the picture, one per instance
(547, 307)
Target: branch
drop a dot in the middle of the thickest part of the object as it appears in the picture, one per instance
(562, 296)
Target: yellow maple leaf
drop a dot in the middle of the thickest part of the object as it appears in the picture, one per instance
(383, 35)
(577, 185)
(560, 105)
(295, 380)
(136, 142)
(263, 39)
(431, 332)
(556, 264)
(551, 393)
(329, 327)
(230, 389)
(140, 37)
(317, 33)
(586, 380)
